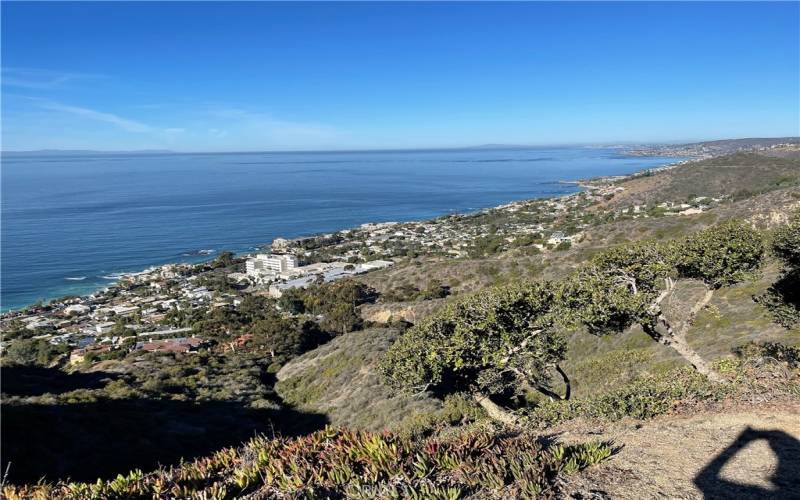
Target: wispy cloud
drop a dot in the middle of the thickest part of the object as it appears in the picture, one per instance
(196, 127)
(262, 126)
(41, 79)
(91, 114)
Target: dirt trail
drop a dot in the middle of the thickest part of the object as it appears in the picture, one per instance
(746, 454)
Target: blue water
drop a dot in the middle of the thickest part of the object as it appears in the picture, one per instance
(70, 220)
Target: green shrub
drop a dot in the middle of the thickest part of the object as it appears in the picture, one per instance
(564, 245)
(490, 342)
(601, 372)
(772, 350)
(786, 243)
(782, 299)
(722, 255)
(457, 409)
(340, 379)
(644, 398)
(34, 352)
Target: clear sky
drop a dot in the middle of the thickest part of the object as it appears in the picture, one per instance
(261, 76)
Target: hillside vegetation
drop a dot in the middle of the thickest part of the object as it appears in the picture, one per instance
(483, 375)
(341, 380)
(738, 176)
(350, 464)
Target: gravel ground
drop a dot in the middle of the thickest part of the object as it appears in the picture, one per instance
(744, 454)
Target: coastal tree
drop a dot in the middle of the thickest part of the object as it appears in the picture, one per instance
(629, 284)
(336, 302)
(341, 318)
(225, 259)
(285, 337)
(786, 242)
(38, 352)
(120, 328)
(292, 301)
(487, 344)
(254, 307)
(782, 299)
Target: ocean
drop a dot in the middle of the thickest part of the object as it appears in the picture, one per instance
(72, 222)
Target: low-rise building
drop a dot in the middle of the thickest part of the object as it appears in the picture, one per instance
(161, 333)
(104, 327)
(182, 344)
(375, 264)
(40, 324)
(557, 238)
(77, 310)
(124, 310)
(276, 290)
(279, 244)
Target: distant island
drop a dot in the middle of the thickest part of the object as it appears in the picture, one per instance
(89, 152)
(696, 149)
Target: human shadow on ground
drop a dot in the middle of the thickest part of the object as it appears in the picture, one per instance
(785, 479)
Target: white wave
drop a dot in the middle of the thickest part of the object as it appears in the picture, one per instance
(195, 253)
(75, 278)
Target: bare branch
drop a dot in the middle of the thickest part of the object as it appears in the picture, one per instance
(522, 345)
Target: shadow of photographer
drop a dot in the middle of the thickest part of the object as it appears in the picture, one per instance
(785, 478)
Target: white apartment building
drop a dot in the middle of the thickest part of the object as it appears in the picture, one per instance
(269, 264)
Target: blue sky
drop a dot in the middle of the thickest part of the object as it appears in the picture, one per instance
(261, 76)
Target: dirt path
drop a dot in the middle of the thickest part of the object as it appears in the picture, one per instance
(748, 454)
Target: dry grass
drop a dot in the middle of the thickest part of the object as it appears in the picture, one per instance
(661, 458)
(340, 379)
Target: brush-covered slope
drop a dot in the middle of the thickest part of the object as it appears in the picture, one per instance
(739, 175)
(340, 379)
(732, 318)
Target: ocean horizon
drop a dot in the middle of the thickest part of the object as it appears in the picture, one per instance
(72, 223)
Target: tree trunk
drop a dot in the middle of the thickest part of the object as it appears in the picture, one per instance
(683, 348)
(675, 338)
(495, 411)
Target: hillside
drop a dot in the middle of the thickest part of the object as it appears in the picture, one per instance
(719, 147)
(598, 364)
(684, 449)
(340, 380)
(739, 176)
(286, 369)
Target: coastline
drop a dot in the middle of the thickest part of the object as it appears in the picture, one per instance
(210, 255)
